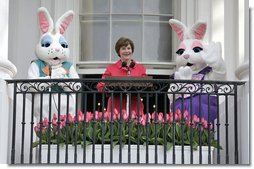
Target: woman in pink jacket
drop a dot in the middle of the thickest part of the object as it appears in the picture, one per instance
(124, 48)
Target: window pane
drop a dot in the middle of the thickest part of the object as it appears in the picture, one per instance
(95, 41)
(126, 6)
(157, 42)
(94, 6)
(103, 22)
(132, 30)
(158, 6)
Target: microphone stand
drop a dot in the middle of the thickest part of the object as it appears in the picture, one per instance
(128, 96)
(124, 64)
(50, 72)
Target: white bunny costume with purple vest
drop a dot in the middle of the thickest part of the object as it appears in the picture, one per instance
(197, 61)
(52, 52)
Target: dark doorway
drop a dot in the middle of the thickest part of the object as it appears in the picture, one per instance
(96, 102)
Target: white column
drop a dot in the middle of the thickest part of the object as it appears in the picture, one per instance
(7, 71)
(242, 73)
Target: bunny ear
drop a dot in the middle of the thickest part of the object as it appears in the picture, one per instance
(45, 20)
(178, 27)
(198, 30)
(64, 21)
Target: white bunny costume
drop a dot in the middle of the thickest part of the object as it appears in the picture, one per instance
(197, 61)
(193, 55)
(52, 52)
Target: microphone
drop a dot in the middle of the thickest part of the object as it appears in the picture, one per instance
(132, 64)
(124, 64)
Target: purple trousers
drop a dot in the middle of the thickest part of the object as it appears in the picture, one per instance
(199, 105)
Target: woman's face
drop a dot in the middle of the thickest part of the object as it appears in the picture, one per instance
(125, 53)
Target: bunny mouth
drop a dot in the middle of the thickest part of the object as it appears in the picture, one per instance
(55, 58)
(189, 64)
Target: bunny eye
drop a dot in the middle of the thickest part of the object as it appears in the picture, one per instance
(180, 51)
(197, 49)
(64, 45)
(63, 42)
(47, 44)
(46, 41)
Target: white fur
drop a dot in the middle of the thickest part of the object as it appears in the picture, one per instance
(53, 35)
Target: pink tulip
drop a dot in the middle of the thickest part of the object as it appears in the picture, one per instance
(185, 114)
(107, 116)
(204, 123)
(153, 116)
(170, 117)
(143, 120)
(179, 116)
(195, 118)
(38, 127)
(71, 119)
(63, 120)
(45, 122)
(54, 120)
(89, 116)
(144, 117)
(178, 111)
(160, 117)
(133, 115)
(189, 123)
(211, 125)
(81, 116)
(98, 115)
(125, 115)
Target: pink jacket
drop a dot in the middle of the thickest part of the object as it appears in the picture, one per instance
(116, 69)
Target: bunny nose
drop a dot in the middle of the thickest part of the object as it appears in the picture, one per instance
(57, 49)
(186, 56)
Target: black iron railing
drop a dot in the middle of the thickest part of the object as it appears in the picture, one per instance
(145, 121)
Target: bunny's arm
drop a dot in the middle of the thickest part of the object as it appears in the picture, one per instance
(34, 73)
(212, 56)
(73, 73)
(218, 73)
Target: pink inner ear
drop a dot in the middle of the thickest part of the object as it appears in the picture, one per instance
(65, 24)
(178, 31)
(200, 31)
(44, 24)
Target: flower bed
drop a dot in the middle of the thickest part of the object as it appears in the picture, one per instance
(153, 129)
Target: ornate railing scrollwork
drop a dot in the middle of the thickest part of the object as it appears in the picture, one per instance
(154, 85)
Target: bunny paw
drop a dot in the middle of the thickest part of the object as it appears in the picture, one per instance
(184, 73)
(58, 73)
(212, 54)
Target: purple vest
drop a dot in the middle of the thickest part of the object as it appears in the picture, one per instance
(201, 105)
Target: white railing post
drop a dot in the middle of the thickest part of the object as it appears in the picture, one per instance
(7, 71)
